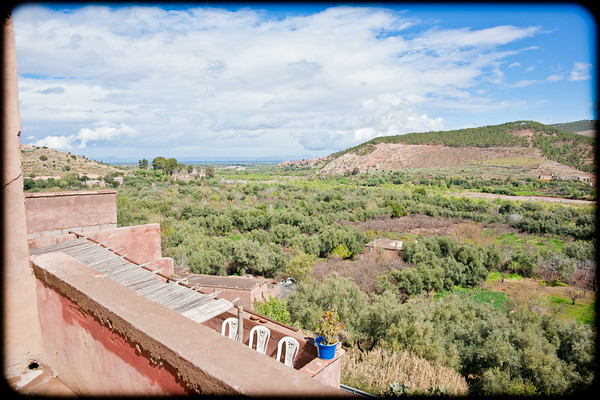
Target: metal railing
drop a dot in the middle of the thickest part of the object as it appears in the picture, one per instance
(359, 392)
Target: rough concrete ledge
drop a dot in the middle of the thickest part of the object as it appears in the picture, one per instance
(69, 193)
(205, 361)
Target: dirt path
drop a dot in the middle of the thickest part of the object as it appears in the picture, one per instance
(475, 195)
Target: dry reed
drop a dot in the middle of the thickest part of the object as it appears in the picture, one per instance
(376, 370)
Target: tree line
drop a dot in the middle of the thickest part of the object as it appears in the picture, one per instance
(170, 165)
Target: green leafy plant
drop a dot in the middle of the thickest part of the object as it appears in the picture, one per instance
(329, 326)
(274, 308)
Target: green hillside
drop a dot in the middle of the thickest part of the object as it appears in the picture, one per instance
(564, 147)
(577, 126)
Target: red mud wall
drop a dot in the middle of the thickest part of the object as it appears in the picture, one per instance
(54, 214)
(140, 244)
(93, 358)
(93, 351)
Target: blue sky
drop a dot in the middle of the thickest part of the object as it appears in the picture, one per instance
(288, 81)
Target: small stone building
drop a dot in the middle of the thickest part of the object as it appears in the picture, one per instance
(387, 247)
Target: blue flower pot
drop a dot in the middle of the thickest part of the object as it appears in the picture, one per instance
(325, 351)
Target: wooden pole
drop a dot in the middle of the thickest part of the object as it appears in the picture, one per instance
(240, 327)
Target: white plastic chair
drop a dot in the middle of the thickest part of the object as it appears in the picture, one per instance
(291, 350)
(232, 323)
(262, 338)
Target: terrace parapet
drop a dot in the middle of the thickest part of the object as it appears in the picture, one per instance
(102, 338)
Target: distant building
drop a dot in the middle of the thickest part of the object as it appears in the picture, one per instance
(247, 289)
(91, 182)
(388, 247)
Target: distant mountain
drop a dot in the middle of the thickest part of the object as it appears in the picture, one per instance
(583, 127)
(526, 146)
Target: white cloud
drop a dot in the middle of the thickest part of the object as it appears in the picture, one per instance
(555, 78)
(56, 142)
(524, 83)
(580, 72)
(466, 37)
(324, 81)
(104, 131)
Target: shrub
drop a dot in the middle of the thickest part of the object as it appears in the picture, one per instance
(274, 308)
(300, 266)
(341, 251)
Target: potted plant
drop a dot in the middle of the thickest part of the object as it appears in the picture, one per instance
(328, 327)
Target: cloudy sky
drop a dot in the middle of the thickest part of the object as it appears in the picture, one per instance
(290, 81)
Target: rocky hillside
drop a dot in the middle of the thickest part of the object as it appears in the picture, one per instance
(525, 148)
(42, 162)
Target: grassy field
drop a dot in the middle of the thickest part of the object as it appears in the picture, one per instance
(556, 300)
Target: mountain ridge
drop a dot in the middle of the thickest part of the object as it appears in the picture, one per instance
(528, 147)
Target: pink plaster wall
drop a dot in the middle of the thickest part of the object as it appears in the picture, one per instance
(49, 241)
(54, 214)
(51, 216)
(140, 244)
(21, 330)
(92, 359)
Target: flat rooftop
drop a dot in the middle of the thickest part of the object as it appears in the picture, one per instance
(228, 282)
(389, 244)
(188, 302)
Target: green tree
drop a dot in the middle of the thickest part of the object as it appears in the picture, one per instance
(209, 171)
(409, 281)
(159, 163)
(311, 299)
(283, 234)
(206, 262)
(499, 352)
(525, 261)
(473, 258)
(300, 266)
(170, 166)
